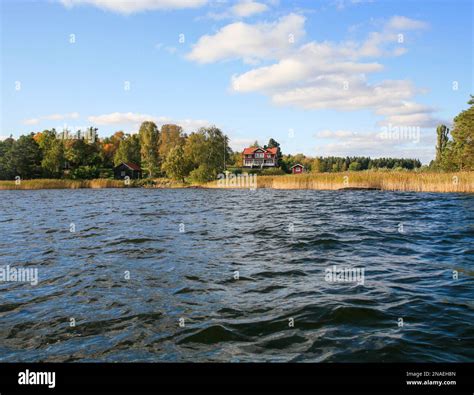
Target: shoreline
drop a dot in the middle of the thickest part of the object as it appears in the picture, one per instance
(456, 182)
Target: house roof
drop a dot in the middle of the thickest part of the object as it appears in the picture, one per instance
(297, 165)
(130, 165)
(251, 150)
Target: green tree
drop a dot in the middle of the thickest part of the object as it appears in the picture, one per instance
(25, 157)
(149, 148)
(442, 139)
(207, 150)
(7, 172)
(176, 165)
(45, 138)
(202, 174)
(354, 166)
(78, 152)
(463, 138)
(128, 150)
(275, 144)
(53, 159)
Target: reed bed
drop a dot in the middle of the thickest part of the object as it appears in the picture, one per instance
(383, 180)
(93, 184)
(61, 184)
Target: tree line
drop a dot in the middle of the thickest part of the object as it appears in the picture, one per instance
(352, 163)
(199, 156)
(168, 151)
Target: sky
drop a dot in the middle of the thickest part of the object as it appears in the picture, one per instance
(337, 77)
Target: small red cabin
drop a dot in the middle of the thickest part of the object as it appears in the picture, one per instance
(297, 169)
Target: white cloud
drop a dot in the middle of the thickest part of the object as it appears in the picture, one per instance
(414, 143)
(133, 6)
(242, 9)
(318, 75)
(331, 92)
(31, 121)
(342, 4)
(309, 63)
(60, 117)
(250, 42)
(238, 144)
(133, 120)
(408, 113)
(248, 7)
(335, 133)
(52, 117)
(120, 117)
(404, 23)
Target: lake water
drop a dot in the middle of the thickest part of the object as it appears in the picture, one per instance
(237, 275)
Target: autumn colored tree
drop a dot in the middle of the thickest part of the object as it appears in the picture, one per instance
(109, 147)
(171, 136)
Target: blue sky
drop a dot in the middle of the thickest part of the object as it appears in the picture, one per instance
(345, 77)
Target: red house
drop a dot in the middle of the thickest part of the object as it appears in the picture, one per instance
(260, 157)
(297, 169)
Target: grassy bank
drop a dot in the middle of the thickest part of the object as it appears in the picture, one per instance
(94, 184)
(387, 180)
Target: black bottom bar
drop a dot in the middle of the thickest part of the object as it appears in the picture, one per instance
(136, 378)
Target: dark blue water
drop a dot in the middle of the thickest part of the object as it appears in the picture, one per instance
(182, 248)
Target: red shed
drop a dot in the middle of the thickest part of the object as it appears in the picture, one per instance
(297, 169)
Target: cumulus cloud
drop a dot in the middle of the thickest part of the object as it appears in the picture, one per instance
(319, 75)
(346, 92)
(133, 120)
(249, 42)
(308, 64)
(248, 7)
(409, 113)
(242, 9)
(133, 6)
(404, 23)
(52, 117)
